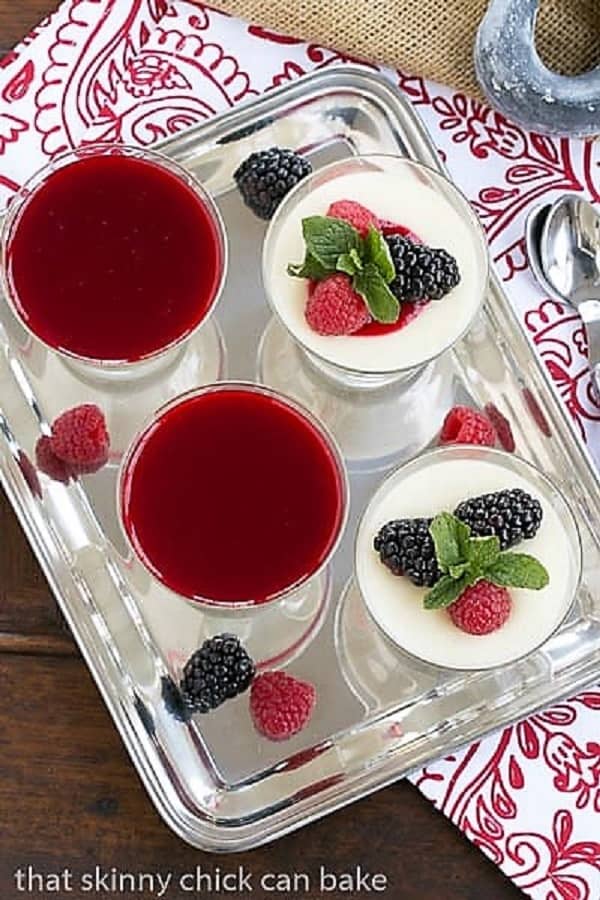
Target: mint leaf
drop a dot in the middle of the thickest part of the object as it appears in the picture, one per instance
(356, 258)
(446, 591)
(382, 304)
(346, 264)
(377, 252)
(327, 239)
(482, 553)
(518, 570)
(450, 539)
(350, 263)
(310, 268)
(458, 570)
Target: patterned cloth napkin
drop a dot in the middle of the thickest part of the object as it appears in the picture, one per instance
(140, 70)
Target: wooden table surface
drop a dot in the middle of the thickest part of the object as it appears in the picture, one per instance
(69, 796)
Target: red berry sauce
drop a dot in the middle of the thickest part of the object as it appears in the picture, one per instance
(114, 258)
(232, 495)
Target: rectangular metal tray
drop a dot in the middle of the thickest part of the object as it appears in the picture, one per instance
(380, 714)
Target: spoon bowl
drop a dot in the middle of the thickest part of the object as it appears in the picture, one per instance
(569, 254)
(533, 236)
(570, 249)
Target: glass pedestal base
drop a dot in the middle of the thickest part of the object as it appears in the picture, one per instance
(374, 423)
(273, 634)
(128, 396)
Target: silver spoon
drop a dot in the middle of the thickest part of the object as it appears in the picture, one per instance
(533, 235)
(570, 261)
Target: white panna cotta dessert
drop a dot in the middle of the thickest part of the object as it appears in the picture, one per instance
(439, 481)
(396, 191)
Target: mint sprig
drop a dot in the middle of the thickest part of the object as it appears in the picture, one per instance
(518, 570)
(376, 251)
(327, 239)
(372, 287)
(464, 560)
(310, 268)
(333, 245)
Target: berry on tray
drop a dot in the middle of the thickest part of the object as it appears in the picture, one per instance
(173, 699)
(422, 273)
(464, 425)
(355, 214)
(334, 307)
(49, 463)
(511, 515)
(219, 670)
(281, 705)
(502, 426)
(406, 547)
(80, 438)
(267, 176)
(481, 608)
(29, 473)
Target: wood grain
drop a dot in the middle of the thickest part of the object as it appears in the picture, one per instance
(71, 798)
(69, 795)
(17, 17)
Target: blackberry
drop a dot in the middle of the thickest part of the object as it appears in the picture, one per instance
(422, 273)
(406, 548)
(511, 515)
(173, 699)
(267, 176)
(219, 670)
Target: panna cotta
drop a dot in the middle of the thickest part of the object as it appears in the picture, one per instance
(113, 255)
(420, 202)
(439, 481)
(233, 495)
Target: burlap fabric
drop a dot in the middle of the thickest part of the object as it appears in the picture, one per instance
(433, 38)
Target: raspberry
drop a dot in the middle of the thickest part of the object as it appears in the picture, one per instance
(29, 474)
(482, 608)
(280, 705)
(355, 214)
(334, 307)
(49, 463)
(502, 426)
(464, 425)
(80, 438)
(536, 411)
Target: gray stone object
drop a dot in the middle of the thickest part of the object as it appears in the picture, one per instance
(517, 83)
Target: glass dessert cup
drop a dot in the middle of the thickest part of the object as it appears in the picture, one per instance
(388, 642)
(372, 390)
(187, 332)
(217, 566)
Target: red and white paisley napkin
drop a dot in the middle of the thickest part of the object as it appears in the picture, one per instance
(140, 70)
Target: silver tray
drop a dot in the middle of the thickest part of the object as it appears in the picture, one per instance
(380, 713)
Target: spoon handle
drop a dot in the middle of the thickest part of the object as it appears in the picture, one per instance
(589, 311)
